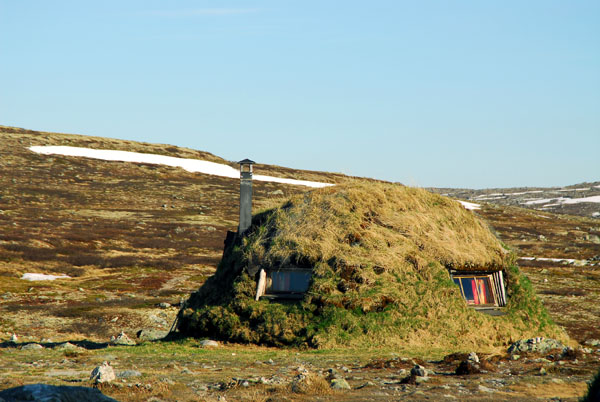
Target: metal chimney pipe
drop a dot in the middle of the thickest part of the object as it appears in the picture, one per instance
(245, 195)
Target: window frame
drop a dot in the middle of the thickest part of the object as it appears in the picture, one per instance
(494, 286)
(265, 289)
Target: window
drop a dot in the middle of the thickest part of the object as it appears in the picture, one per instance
(288, 281)
(284, 283)
(481, 289)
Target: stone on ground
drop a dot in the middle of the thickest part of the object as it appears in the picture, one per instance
(208, 343)
(122, 340)
(538, 344)
(103, 373)
(44, 392)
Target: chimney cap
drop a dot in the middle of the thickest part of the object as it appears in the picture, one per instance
(246, 162)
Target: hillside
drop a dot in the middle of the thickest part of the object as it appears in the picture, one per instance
(579, 199)
(135, 239)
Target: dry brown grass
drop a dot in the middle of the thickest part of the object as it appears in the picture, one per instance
(391, 226)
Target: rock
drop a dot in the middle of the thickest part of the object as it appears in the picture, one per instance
(542, 238)
(276, 192)
(208, 343)
(473, 357)
(418, 371)
(44, 392)
(67, 346)
(593, 238)
(149, 334)
(515, 357)
(103, 373)
(468, 367)
(164, 305)
(593, 342)
(332, 373)
(32, 346)
(543, 371)
(339, 383)
(14, 338)
(161, 322)
(122, 340)
(129, 374)
(538, 344)
(483, 388)
(596, 215)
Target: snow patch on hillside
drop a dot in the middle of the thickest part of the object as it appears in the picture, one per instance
(561, 200)
(191, 165)
(43, 277)
(469, 205)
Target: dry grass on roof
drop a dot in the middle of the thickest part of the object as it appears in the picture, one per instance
(375, 223)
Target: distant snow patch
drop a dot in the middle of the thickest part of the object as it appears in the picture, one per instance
(569, 260)
(486, 198)
(595, 199)
(191, 165)
(574, 189)
(542, 201)
(469, 205)
(43, 277)
(526, 192)
(561, 200)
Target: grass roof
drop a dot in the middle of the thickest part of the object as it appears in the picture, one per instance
(380, 255)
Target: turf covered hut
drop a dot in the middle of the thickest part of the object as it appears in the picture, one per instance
(365, 264)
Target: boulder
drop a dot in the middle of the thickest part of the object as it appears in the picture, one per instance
(67, 346)
(149, 334)
(468, 367)
(122, 340)
(129, 374)
(593, 342)
(418, 371)
(44, 392)
(339, 383)
(537, 345)
(103, 373)
(208, 343)
(32, 346)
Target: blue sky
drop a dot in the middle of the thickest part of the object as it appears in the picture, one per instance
(429, 93)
